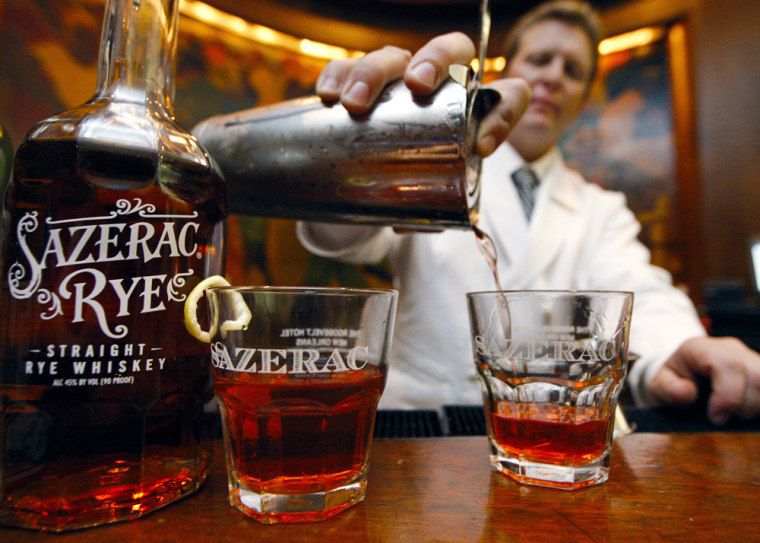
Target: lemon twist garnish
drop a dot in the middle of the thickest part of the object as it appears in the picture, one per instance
(241, 311)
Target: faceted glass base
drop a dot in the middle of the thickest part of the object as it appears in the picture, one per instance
(552, 475)
(270, 508)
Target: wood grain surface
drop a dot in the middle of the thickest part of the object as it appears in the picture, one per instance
(662, 487)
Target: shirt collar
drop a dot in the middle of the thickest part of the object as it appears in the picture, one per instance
(540, 167)
(546, 162)
(548, 169)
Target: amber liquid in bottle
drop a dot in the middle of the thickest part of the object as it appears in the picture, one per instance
(112, 216)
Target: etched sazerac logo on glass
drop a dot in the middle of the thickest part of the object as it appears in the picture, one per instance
(292, 361)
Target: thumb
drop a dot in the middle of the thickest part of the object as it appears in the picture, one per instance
(495, 127)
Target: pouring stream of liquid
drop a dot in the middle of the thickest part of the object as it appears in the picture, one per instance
(488, 250)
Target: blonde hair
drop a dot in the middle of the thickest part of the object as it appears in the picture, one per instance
(571, 12)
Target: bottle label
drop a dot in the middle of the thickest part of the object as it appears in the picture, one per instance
(62, 365)
(84, 242)
(64, 273)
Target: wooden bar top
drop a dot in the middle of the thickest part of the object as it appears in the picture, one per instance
(663, 487)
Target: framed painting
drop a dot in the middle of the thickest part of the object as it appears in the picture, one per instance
(633, 138)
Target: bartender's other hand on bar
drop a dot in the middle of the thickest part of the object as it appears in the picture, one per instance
(733, 370)
(358, 82)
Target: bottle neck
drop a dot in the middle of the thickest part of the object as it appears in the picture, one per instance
(137, 51)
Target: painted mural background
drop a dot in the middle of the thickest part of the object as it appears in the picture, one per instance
(624, 141)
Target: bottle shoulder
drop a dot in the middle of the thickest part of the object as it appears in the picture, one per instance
(137, 127)
(70, 172)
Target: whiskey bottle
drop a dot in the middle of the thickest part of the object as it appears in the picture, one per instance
(113, 214)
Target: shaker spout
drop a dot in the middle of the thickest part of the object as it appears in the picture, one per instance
(460, 73)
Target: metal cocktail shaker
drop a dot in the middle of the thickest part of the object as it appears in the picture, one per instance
(407, 162)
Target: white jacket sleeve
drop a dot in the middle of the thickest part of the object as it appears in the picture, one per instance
(349, 243)
(663, 316)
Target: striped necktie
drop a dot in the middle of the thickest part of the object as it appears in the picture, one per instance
(526, 182)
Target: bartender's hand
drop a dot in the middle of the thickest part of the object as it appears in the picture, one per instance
(733, 370)
(358, 82)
